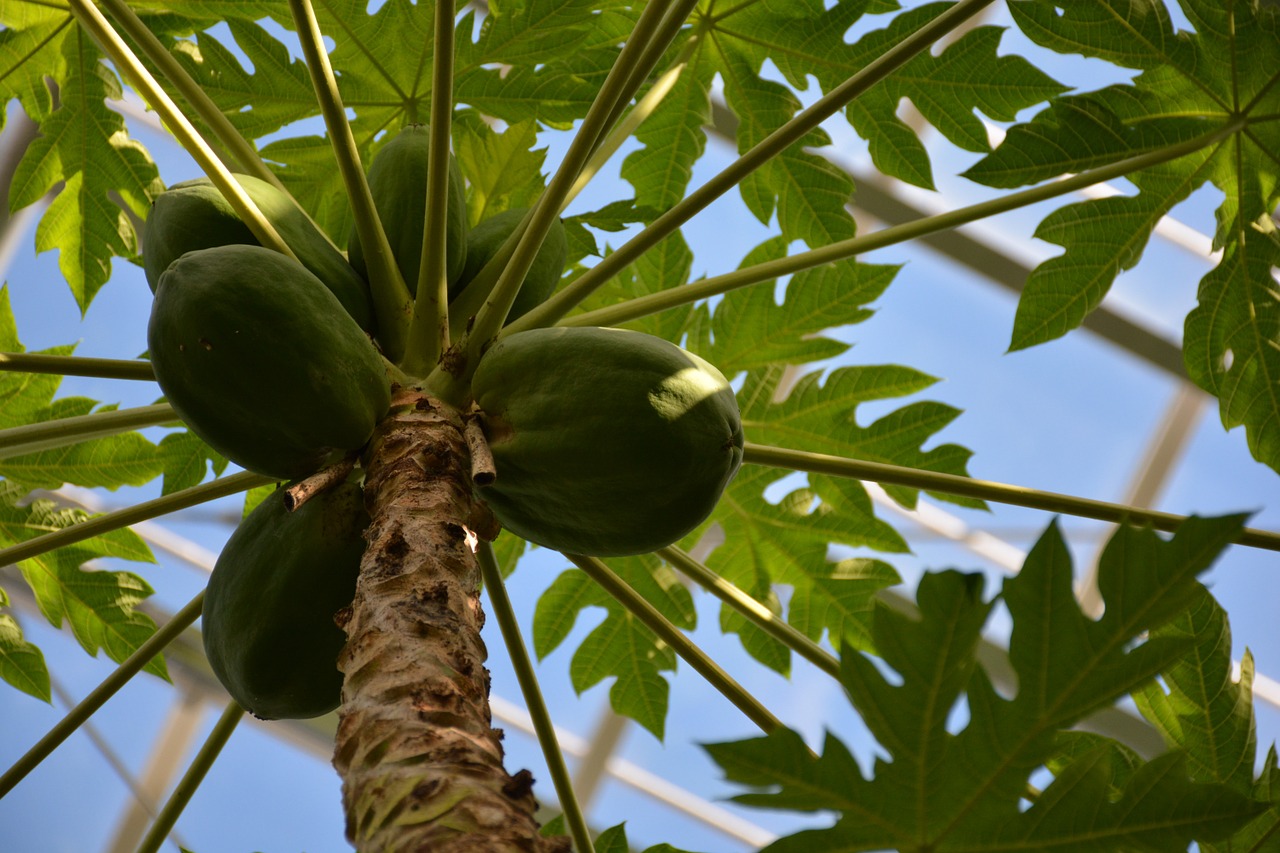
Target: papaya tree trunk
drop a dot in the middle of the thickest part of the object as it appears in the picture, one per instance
(420, 761)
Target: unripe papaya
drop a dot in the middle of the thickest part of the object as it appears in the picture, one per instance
(540, 282)
(606, 442)
(195, 215)
(268, 617)
(398, 184)
(262, 361)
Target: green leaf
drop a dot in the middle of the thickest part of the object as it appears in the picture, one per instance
(1221, 73)
(529, 32)
(28, 398)
(276, 92)
(673, 138)
(621, 646)
(821, 417)
(1229, 339)
(787, 543)
(750, 331)
(956, 782)
(119, 460)
(612, 840)
(21, 663)
(1158, 810)
(508, 549)
(1200, 709)
(99, 605)
(808, 193)
(841, 602)
(306, 169)
(1071, 746)
(948, 88)
(186, 461)
(31, 50)
(504, 170)
(84, 145)
(384, 59)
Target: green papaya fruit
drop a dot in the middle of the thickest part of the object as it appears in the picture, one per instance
(262, 361)
(398, 183)
(267, 620)
(606, 442)
(195, 215)
(540, 282)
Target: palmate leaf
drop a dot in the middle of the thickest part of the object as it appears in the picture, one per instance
(21, 663)
(787, 541)
(84, 146)
(939, 790)
(99, 605)
(1221, 71)
(504, 170)
(620, 646)
(749, 331)
(276, 92)
(1203, 711)
(28, 398)
(804, 40)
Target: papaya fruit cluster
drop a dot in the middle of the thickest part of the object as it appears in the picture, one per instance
(271, 361)
(606, 442)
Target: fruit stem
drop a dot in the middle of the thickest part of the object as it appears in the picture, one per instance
(686, 294)
(191, 780)
(793, 131)
(62, 432)
(182, 129)
(321, 481)
(880, 472)
(483, 468)
(392, 304)
(623, 79)
(429, 325)
(763, 617)
(676, 639)
(74, 365)
(90, 527)
(528, 679)
(74, 718)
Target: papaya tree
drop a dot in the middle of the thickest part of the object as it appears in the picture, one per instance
(386, 314)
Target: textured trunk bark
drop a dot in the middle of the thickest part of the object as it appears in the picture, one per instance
(420, 762)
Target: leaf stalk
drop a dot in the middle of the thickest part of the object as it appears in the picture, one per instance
(881, 472)
(528, 678)
(74, 365)
(240, 149)
(392, 304)
(62, 432)
(90, 527)
(190, 781)
(761, 616)
(128, 63)
(793, 131)
(429, 325)
(623, 79)
(674, 297)
(132, 665)
(676, 639)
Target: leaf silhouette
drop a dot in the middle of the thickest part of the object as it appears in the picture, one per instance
(940, 788)
(1220, 74)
